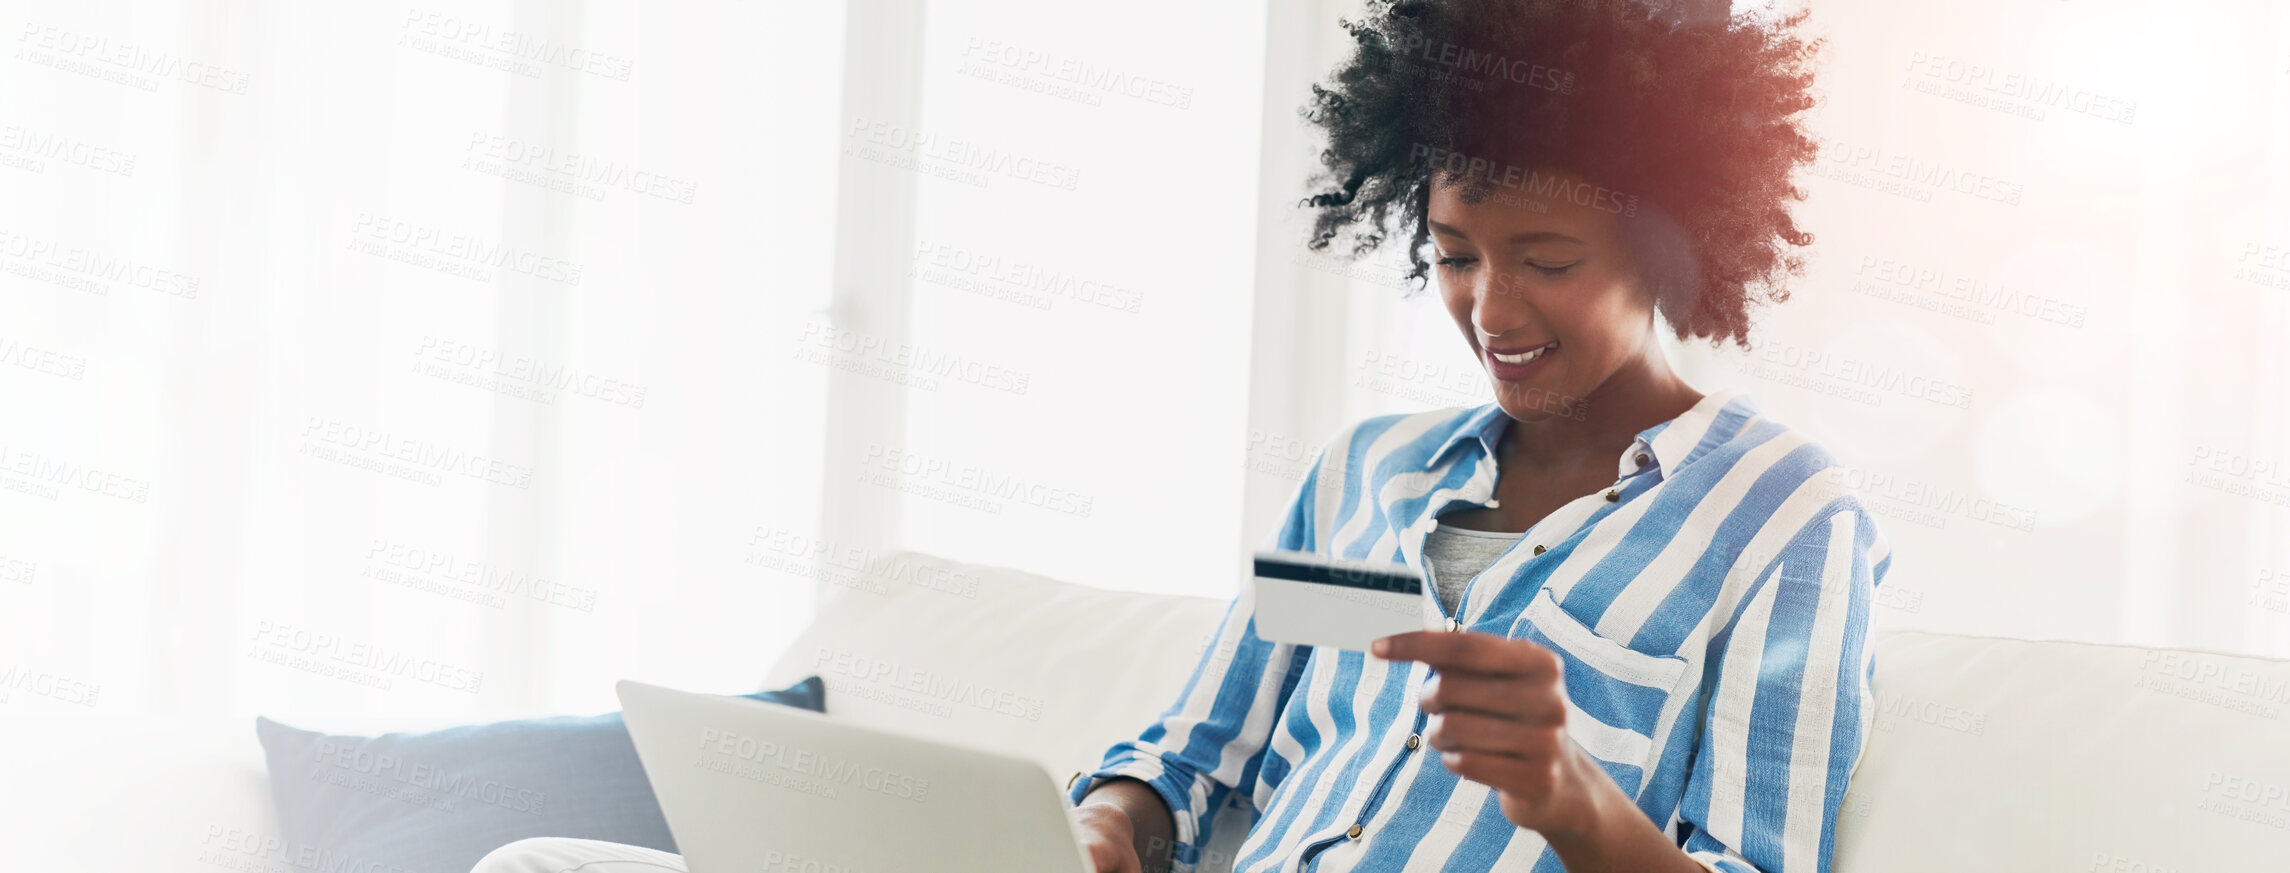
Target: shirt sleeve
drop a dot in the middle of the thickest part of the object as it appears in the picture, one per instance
(1210, 743)
(1790, 705)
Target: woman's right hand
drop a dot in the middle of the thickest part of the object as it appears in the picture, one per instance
(1108, 837)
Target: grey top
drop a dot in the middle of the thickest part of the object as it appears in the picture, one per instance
(1455, 555)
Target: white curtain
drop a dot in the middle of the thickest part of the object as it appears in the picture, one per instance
(496, 352)
(430, 362)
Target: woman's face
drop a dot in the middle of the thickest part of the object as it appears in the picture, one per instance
(1543, 290)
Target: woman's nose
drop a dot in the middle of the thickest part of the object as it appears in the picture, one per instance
(1500, 305)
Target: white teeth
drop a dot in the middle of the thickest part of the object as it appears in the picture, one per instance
(1523, 358)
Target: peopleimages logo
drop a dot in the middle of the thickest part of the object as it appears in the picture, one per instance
(420, 563)
(525, 371)
(1027, 284)
(957, 153)
(41, 474)
(124, 62)
(357, 760)
(1981, 295)
(2259, 795)
(917, 468)
(1920, 176)
(257, 852)
(903, 361)
(579, 173)
(825, 768)
(62, 689)
(867, 569)
(1982, 84)
(29, 142)
(929, 684)
(1852, 378)
(2207, 679)
(1487, 64)
(430, 31)
(47, 261)
(366, 664)
(421, 454)
(1932, 713)
(458, 253)
(1911, 491)
(1539, 185)
(1079, 72)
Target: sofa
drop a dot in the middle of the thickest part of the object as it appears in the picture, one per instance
(1988, 754)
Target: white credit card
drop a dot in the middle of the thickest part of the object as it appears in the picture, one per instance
(1313, 600)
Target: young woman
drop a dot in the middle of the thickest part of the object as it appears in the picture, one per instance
(1659, 607)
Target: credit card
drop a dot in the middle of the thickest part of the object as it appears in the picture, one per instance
(1313, 600)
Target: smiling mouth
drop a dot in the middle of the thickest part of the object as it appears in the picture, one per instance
(1525, 356)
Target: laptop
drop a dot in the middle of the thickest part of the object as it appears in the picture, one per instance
(755, 787)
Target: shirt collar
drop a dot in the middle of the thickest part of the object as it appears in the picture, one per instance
(1483, 424)
(1718, 417)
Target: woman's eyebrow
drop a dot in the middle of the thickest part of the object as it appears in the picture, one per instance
(1542, 236)
(1516, 239)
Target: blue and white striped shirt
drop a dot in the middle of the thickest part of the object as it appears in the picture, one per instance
(1713, 618)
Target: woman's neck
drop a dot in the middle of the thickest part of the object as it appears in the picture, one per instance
(1642, 394)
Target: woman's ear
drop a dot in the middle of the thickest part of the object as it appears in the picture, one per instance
(1667, 271)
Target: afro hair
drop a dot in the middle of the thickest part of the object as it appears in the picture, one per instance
(1687, 118)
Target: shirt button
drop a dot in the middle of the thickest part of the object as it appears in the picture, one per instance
(1354, 833)
(1613, 495)
(1539, 549)
(1414, 741)
(1642, 459)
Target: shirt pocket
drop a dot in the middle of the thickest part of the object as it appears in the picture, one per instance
(1615, 695)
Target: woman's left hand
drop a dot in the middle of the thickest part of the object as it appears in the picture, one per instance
(1498, 718)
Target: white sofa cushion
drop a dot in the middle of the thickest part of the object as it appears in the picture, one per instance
(2011, 755)
(1001, 659)
(102, 792)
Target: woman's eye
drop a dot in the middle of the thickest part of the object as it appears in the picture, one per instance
(1454, 261)
(1552, 269)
